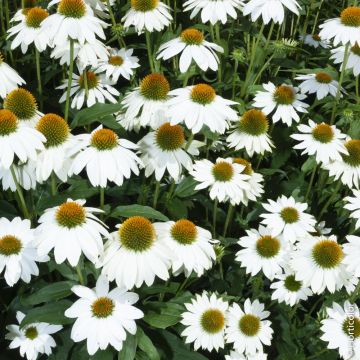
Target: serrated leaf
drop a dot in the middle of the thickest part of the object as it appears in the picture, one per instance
(52, 313)
(138, 210)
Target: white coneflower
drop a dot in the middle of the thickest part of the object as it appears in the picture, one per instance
(192, 46)
(344, 29)
(199, 105)
(22, 141)
(88, 89)
(318, 262)
(234, 355)
(23, 104)
(262, 252)
(352, 252)
(146, 105)
(120, 62)
(106, 158)
(166, 150)
(247, 328)
(33, 339)
(135, 255)
(73, 19)
(353, 205)
(225, 180)
(10, 79)
(71, 229)
(205, 321)
(324, 141)
(270, 10)
(60, 147)
(150, 15)
(103, 316)
(30, 31)
(213, 11)
(18, 255)
(284, 99)
(25, 174)
(191, 246)
(315, 41)
(348, 168)
(251, 133)
(353, 61)
(287, 217)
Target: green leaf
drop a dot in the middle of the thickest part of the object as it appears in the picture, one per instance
(138, 210)
(49, 293)
(128, 351)
(146, 345)
(186, 187)
(52, 313)
(94, 113)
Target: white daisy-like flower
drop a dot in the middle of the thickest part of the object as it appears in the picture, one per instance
(270, 10)
(213, 11)
(324, 141)
(225, 180)
(103, 317)
(34, 339)
(25, 175)
(320, 83)
(100, 7)
(191, 246)
(192, 46)
(73, 19)
(71, 229)
(106, 158)
(353, 61)
(205, 321)
(135, 254)
(60, 147)
(348, 168)
(255, 181)
(146, 105)
(262, 252)
(288, 217)
(87, 54)
(318, 263)
(314, 40)
(9, 78)
(284, 99)
(321, 228)
(353, 205)
(251, 133)
(150, 15)
(88, 89)
(30, 31)
(23, 104)
(289, 290)
(199, 105)
(166, 150)
(21, 13)
(344, 29)
(18, 254)
(234, 355)
(342, 330)
(247, 329)
(352, 252)
(21, 141)
(120, 62)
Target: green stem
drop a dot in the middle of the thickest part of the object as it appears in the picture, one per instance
(215, 208)
(269, 36)
(53, 184)
(20, 194)
(218, 40)
(156, 194)
(80, 275)
(71, 67)
(236, 65)
(316, 18)
(311, 182)
(335, 191)
(86, 84)
(190, 140)
(342, 74)
(38, 75)
(150, 56)
(102, 198)
(354, 293)
(228, 218)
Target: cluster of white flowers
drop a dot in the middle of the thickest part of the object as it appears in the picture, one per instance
(294, 252)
